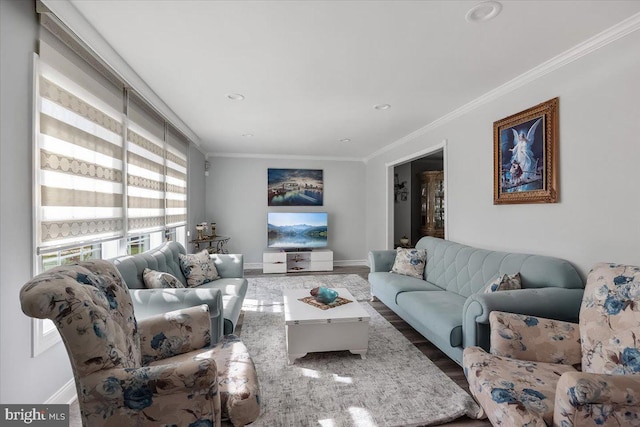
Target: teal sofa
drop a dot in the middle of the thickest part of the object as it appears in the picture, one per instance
(449, 307)
(223, 296)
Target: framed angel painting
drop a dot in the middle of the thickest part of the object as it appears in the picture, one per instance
(525, 156)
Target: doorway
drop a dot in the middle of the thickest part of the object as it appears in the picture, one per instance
(405, 215)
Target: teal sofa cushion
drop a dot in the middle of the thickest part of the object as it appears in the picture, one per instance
(438, 311)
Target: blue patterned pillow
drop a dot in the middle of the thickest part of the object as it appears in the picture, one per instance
(198, 268)
(410, 262)
(504, 282)
(157, 279)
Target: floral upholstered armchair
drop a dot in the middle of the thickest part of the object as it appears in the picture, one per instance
(547, 372)
(161, 371)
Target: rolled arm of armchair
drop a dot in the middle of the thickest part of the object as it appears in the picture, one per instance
(551, 303)
(523, 337)
(582, 395)
(176, 332)
(229, 265)
(135, 388)
(381, 260)
(149, 302)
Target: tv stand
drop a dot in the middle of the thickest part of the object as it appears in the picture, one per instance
(280, 261)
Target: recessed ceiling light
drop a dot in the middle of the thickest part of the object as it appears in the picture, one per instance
(483, 12)
(382, 106)
(247, 135)
(345, 140)
(235, 96)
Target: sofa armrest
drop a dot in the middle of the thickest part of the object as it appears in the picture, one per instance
(229, 265)
(173, 333)
(381, 260)
(551, 303)
(537, 339)
(150, 302)
(597, 399)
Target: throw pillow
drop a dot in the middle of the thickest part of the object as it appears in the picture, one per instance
(505, 282)
(198, 268)
(410, 262)
(157, 279)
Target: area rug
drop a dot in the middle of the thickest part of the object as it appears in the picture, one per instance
(396, 385)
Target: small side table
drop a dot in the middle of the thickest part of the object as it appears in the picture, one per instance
(217, 244)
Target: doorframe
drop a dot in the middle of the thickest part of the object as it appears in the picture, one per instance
(390, 214)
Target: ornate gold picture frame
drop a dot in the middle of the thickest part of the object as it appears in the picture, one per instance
(524, 156)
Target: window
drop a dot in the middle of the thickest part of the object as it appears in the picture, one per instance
(110, 173)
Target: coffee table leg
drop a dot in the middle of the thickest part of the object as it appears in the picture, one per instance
(293, 357)
(362, 353)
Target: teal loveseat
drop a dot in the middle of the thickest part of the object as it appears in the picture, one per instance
(224, 296)
(449, 307)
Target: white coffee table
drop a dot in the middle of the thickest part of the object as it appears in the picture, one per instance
(310, 329)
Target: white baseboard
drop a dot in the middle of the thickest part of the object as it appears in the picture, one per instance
(341, 263)
(65, 396)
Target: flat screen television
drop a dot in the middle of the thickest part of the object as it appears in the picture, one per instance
(297, 230)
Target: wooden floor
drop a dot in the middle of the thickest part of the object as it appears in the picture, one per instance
(441, 360)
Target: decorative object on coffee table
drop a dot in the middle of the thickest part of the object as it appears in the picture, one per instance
(199, 228)
(324, 295)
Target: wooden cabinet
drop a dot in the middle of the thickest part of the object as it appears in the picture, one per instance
(432, 203)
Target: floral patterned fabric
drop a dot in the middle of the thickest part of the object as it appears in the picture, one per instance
(410, 262)
(238, 381)
(513, 392)
(91, 307)
(610, 320)
(597, 399)
(533, 338)
(198, 268)
(504, 282)
(158, 279)
(607, 392)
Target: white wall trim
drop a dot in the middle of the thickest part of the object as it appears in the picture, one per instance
(338, 263)
(389, 188)
(283, 156)
(590, 45)
(72, 18)
(65, 396)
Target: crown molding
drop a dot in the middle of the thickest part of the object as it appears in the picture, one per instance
(588, 46)
(84, 31)
(283, 156)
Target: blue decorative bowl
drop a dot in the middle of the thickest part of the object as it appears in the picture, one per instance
(324, 295)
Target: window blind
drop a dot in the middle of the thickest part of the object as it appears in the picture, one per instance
(79, 168)
(176, 178)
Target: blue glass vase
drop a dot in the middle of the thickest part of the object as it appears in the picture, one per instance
(324, 295)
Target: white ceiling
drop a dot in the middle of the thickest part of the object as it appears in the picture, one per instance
(311, 71)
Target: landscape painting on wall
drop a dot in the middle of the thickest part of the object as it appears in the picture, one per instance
(295, 187)
(524, 156)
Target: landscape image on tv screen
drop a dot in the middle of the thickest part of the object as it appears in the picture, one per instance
(305, 230)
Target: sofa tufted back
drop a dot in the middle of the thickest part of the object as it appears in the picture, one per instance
(163, 258)
(466, 270)
(91, 307)
(610, 320)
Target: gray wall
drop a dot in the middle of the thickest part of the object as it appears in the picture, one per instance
(402, 208)
(596, 218)
(236, 198)
(196, 192)
(23, 379)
